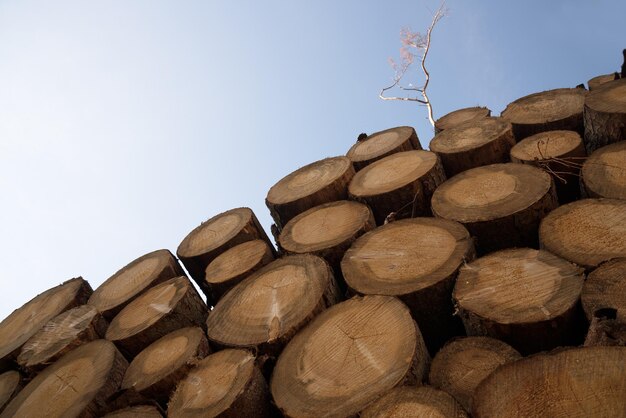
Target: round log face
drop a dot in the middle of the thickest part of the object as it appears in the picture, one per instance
(604, 172)
(383, 143)
(24, 322)
(608, 98)
(605, 287)
(141, 411)
(347, 357)
(9, 385)
(586, 232)
(236, 261)
(471, 135)
(422, 401)
(605, 115)
(579, 382)
(459, 116)
(546, 145)
(79, 381)
(596, 82)
(273, 303)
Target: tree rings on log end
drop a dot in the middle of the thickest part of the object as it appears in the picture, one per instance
(213, 237)
(166, 307)
(77, 385)
(327, 230)
(10, 385)
(133, 279)
(586, 232)
(155, 371)
(574, 383)
(24, 322)
(235, 264)
(500, 204)
(460, 366)
(459, 116)
(416, 260)
(560, 153)
(319, 182)
(605, 115)
(62, 334)
(382, 144)
(269, 307)
(407, 401)
(597, 81)
(351, 354)
(140, 411)
(605, 288)
(522, 296)
(401, 183)
(225, 384)
(473, 144)
(604, 172)
(559, 109)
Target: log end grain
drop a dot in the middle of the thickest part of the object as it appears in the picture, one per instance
(597, 81)
(605, 115)
(604, 288)
(382, 144)
(604, 172)
(459, 116)
(423, 401)
(10, 385)
(140, 411)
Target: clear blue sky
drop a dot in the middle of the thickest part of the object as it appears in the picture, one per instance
(124, 124)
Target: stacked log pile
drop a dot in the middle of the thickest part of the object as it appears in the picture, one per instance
(485, 277)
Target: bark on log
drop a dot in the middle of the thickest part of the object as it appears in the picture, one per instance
(560, 153)
(605, 115)
(155, 371)
(382, 144)
(474, 143)
(10, 385)
(586, 232)
(61, 335)
(215, 236)
(524, 297)
(460, 116)
(265, 310)
(500, 204)
(75, 386)
(140, 411)
(166, 307)
(132, 280)
(226, 384)
(463, 363)
(24, 322)
(347, 357)
(235, 264)
(416, 260)
(327, 231)
(552, 110)
(597, 81)
(316, 183)
(604, 172)
(422, 401)
(574, 383)
(400, 185)
(606, 330)
(604, 288)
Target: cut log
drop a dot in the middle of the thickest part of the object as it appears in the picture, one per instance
(265, 310)
(605, 115)
(586, 232)
(319, 182)
(552, 110)
(226, 384)
(10, 385)
(61, 335)
(597, 81)
(604, 172)
(522, 296)
(75, 386)
(459, 116)
(327, 230)
(235, 264)
(463, 363)
(574, 383)
(347, 357)
(166, 307)
(560, 153)
(24, 322)
(500, 204)
(399, 185)
(155, 371)
(382, 144)
(604, 288)
(132, 280)
(140, 411)
(474, 143)
(406, 401)
(416, 260)
(215, 236)
(605, 329)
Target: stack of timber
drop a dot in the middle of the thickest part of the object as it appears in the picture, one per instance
(387, 257)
